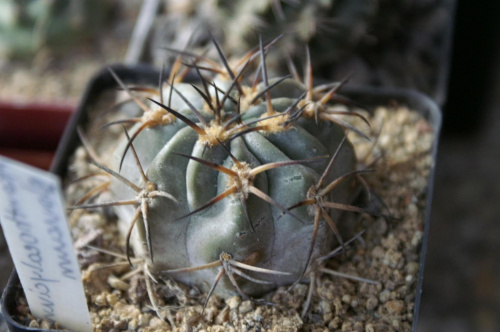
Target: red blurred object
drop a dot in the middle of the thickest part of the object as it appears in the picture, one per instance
(38, 158)
(30, 132)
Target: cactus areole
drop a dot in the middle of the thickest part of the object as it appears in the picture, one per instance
(233, 183)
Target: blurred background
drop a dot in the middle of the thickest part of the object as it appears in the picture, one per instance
(447, 49)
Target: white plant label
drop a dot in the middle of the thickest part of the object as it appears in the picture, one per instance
(33, 219)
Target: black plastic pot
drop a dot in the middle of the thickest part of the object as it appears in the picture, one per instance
(147, 75)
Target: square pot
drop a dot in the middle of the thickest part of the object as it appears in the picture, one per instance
(146, 75)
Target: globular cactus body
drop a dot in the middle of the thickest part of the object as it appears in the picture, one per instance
(249, 223)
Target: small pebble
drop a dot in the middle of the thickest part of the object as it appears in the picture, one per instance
(210, 313)
(111, 299)
(325, 307)
(327, 317)
(380, 226)
(143, 320)
(412, 267)
(245, 307)
(121, 325)
(157, 324)
(346, 299)
(133, 324)
(335, 323)
(384, 296)
(412, 209)
(358, 327)
(417, 238)
(378, 252)
(347, 326)
(371, 303)
(390, 285)
(106, 324)
(233, 302)
(100, 300)
(233, 316)
(393, 258)
(395, 306)
(34, 324)
(287, 322)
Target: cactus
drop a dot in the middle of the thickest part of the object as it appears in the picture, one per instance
(26, 26)
(384, 43)
(232, 177)
(333, 29)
